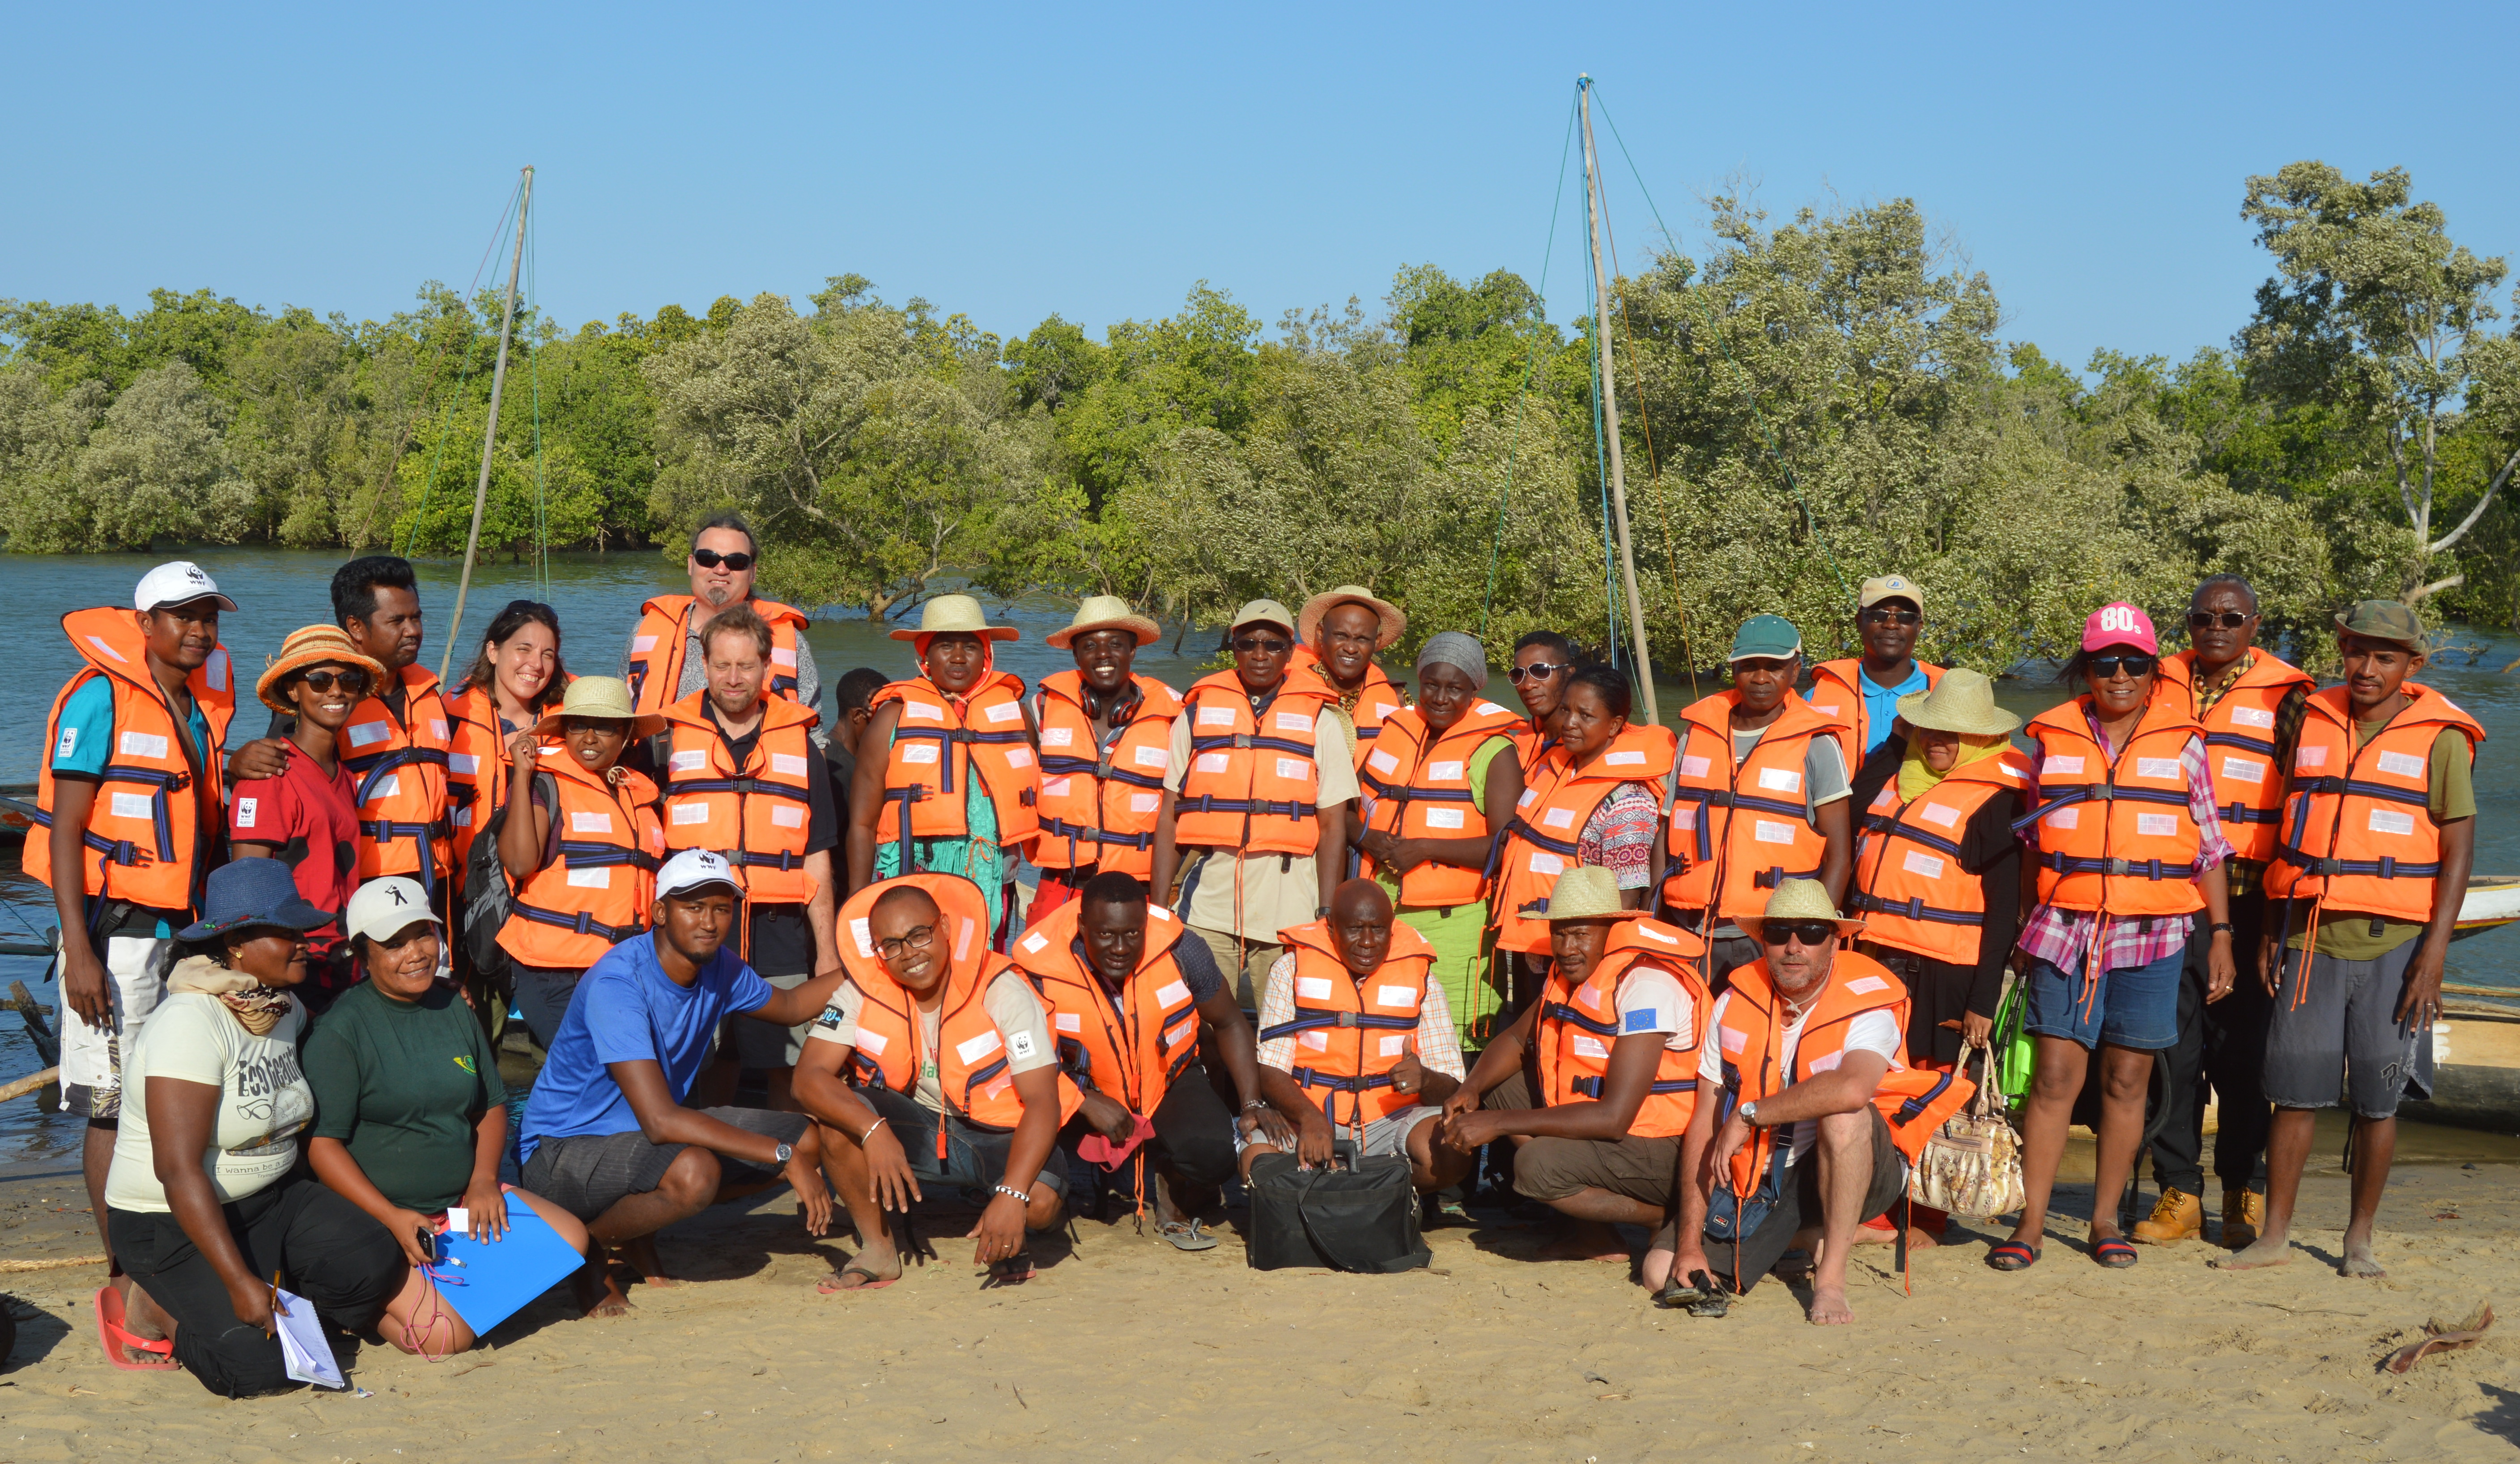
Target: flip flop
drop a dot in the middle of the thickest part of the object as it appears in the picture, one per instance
(1702, 1296)
(2011, 1256)
(2115, 1254)
(110, 1329)
(829, 1286)
(1191, 1236)
(1014, 1270)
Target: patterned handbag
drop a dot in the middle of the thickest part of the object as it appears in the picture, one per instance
(1972, 1167)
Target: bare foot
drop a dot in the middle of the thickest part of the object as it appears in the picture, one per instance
(145, 1319)
(1919, 1237)
(598, 1290)
(872, 1268)
(2265, 1251)
(641, 1254)
(2358, 1263)
(1587, 1240)
(1829, 1306)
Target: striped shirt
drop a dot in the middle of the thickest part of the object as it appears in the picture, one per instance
(2062, 937)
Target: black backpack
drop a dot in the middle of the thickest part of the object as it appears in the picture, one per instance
(485, 899)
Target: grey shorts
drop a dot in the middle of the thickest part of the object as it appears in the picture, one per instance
(759, 1044)
(2337, 1037)
(588, 1173)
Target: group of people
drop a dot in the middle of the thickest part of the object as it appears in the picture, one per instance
(1288, 905)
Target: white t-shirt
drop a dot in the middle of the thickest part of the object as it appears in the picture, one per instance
(1872, 1032)
(1011, 1004)
(263, 1100)
(1652, 999)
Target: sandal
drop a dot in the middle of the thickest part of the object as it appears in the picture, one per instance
(1703, 1295)
(1189, 1235)
(830, 1286)
(2011, 1256)
(2115, 1254)
(1014, 1270)
(110, 1329)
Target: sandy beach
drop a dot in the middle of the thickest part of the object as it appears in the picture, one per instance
(1124, 1348)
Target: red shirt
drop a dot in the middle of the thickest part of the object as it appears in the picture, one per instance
(314, 822)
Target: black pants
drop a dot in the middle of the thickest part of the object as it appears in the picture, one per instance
(974, 1157)
(1800, 1206)
(2224, 1044)
(325, 1250)
(1193, 1132)
(542, 997)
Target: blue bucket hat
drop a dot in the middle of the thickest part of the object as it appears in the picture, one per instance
(252, 892)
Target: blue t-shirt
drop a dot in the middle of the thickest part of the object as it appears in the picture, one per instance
(1881, 702)
(84, 742)
(626, 1008)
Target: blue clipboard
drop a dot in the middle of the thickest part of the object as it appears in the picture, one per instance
(487, 1282)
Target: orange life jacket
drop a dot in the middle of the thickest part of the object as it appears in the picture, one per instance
(598, 893)
(1544, 837)
(2240, 744)
(1908, 874)
(1577, 1025)
(2115, 833)
(1350, 1033)
(1130, 1047)
(656, 650)
(2358, 826)
(1422, 791)
(1251, 786)
(143, 843)
(401, 763)
(760, 815)
(1099, 800)
(1751, 1029)
(971, 1057)
(1837, 693)
(1375, 700)
(1746, 824)
(477, 766)
(940, 744)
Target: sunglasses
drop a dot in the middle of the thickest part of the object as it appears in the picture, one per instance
(1808, 932)
(1538, 670)
(710, 559)
(1268, 643)
(2205, 620)
(351, 682)
(2107, 667)
(1883, 614)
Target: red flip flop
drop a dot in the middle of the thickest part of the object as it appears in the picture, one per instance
(110, 1330)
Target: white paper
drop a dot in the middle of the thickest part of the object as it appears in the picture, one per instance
(303, 1345)
(458, 1220)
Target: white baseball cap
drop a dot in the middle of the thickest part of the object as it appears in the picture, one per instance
(177, 582)
(381, 909)
(696, 869)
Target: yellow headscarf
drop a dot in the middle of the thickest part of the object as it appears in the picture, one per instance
(1916, 777)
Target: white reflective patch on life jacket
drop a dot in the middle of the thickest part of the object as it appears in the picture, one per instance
(2064, 818)
(1317, 1041)
(1058, 737)
(1158, 912)
(1170, 992)
(1694, 767)
(1736, 1042)
(2156, 825)
(784, 656)
(962, 939)
(1292, 721)
(1071, 1022)
(1312, 985)
(1035, 941)
(787, 762)
(462, 762)
(214, 671)
(107, 652)
(2244, 771)
(133, 744)
(1444, 818)
(1392, 1044)
(1922, 863)
(1383, 763)
(2252, 716)
(1487, 706)
(1006, 711)
(1652, 931)
(872, 1043)
(1781, 779)
(1144, 803)
(2403, 764)
(2310, 757)
(1629, 759)
(1216, 716)
(1450, 772)
(1683, 816)
(2383, 820)
(363, 733)
(1589, 1045)
(786, 816)
(640, 645)
(2058, 763)
(1769, 831)
(691, 813)
(1864, 983)
(1018, 756)
(598, 877)
(1397, 996)
(1558, 818)
(919, 751)
(437, 728)
(1056, 788)
(582, 821)
(2156, 768)
(1546, 863)
(1940, 815)
(921, 712)
(689, 761)
(1296, 769)
(865, 937)
(1154, 755)
(388, 787)
(246, 811)
(976, 1047)
(1211, 762)
(1827, 1062)
(1530, 796)
(461, 818)
(1829, 710)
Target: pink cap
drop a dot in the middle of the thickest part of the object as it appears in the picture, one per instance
(2121, 624)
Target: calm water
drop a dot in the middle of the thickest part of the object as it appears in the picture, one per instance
(598, 597)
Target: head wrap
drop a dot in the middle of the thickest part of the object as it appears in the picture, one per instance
(1916, 776)
(1459, 650)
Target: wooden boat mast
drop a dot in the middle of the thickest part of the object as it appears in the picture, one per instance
(1597, 224)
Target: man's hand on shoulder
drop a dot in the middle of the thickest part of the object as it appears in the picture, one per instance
(262, 758)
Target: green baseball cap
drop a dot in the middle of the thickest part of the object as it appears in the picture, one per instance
(1765, 637)
(2384, 620)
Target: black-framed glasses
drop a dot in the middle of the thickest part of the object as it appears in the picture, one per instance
(2229, 620)
(916, 937)
(2106, 667)
(710, 559)
(1883, 615)
(1808, 932)
(1538, 670)
(1269, 643)
(352, 683)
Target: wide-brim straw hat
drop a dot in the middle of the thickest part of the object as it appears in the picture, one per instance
(956, 615)
(1105, 612)
(1962, 702)
(313, 645)
(1798, 900)
(1587, 891)
(1307, 621)
(604, 697)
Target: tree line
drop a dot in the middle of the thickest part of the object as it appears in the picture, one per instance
(1818, 400)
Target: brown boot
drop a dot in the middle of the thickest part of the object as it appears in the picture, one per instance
(2179, 1216)
(2244, 1215)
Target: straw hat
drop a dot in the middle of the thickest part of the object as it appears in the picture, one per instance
(1105, 612)
(606, 697)
(1308, 623)
(1587, 891)
(956, 615)
(314, 646)
(1799, 900)
(1962, 702)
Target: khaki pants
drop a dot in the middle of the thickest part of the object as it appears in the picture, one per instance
(1251, 977)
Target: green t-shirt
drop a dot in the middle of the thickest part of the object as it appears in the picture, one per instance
(2355, 935)
(401, 1083)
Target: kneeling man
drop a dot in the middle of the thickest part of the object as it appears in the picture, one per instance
(958, 1078)
(1819, 1114)
(1357, 1042)
(1595, 1082)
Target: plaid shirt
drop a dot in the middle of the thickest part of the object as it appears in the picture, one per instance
(1438, 1046)
(2061, 937)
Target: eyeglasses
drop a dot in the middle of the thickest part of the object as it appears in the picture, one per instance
(2107, 667)
(1268, 643)
(1538, 670)
(1883, 615)
(916, 937)
(2229, 620)
(1808, 932)
(351, 682)
(710, 559)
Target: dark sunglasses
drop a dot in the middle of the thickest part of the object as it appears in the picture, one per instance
(2107, 667)
(1538, 670)
(2206, 619)
(352, 682)
(1883, 614)
(1808, 932)
(1268, 643)
(710, 559)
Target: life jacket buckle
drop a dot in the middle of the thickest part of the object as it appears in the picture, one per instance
(1242, 740)
(1348, 1018)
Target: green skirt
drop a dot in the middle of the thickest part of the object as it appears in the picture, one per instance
(1465, 965)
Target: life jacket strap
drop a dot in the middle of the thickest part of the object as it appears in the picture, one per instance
(582, 923)
(1913, 907)
(2137, 869)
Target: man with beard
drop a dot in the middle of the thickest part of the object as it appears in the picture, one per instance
(665, 663)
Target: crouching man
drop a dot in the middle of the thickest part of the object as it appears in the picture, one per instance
(1819, 1114)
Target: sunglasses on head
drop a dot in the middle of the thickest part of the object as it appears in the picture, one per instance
(710, 559)
(1808, 932)
(1538, 670)
(351, 682)
(1883, 615)
(2206, 619)
(1269, 643)
(2107, 667)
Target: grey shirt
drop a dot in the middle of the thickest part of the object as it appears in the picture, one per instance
(809, 681)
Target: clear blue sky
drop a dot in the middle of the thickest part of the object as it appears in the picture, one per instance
(1013, 161)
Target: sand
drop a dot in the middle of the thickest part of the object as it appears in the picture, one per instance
(1125, 1349)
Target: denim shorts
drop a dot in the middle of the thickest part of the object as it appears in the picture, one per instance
(2135, 1007)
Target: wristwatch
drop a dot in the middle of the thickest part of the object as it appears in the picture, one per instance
(785, 1154)
(2223, 926)
(1320, 912)
(1750, 1113)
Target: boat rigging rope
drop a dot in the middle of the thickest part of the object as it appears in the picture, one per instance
(1530, 362)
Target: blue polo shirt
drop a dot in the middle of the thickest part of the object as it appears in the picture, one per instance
(84, 741)
(1881, 704)
(625, 1008)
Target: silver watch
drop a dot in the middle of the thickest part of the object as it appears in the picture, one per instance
(785, 1154)
(1750, 1113)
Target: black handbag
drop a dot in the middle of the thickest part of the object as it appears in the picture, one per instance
(1352, 1215)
